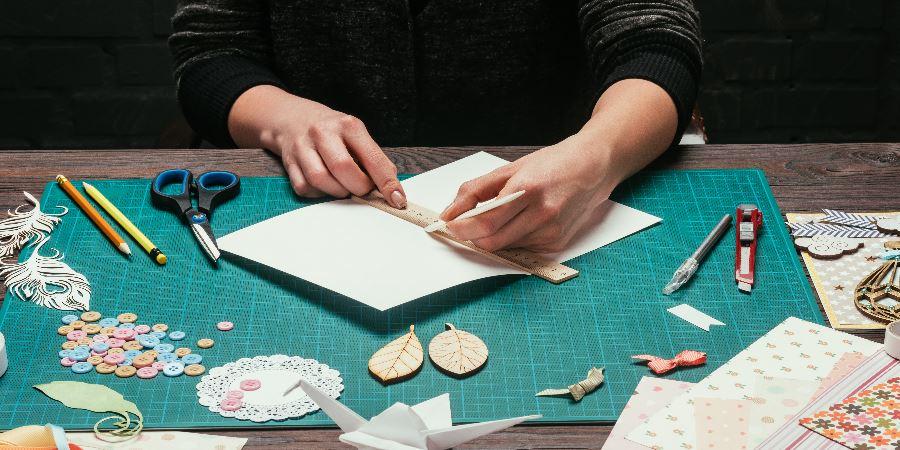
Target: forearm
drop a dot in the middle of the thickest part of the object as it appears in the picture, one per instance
(633, 122)
(257, 115)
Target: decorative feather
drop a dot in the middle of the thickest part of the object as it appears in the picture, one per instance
(47, 281)
(21, 226)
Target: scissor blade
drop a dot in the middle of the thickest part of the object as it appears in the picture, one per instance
(206, 239)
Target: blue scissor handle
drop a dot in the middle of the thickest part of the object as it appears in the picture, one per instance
(215, 187)
(181, 198)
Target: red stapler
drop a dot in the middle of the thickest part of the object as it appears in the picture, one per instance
(749, 219)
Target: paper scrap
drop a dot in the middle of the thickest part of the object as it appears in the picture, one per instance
(869, 419)
(694, 316)
(48, 282)
(580, 389)
(383, 261)
(98, 398)
(650, 395)
(26, 225)
(844, 366)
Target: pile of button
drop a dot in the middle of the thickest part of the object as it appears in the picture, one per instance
(233, 400)
(119, 345)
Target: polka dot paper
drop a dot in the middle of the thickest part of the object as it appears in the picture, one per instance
(869, 420)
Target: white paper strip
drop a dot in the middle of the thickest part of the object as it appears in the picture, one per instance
(694, 316)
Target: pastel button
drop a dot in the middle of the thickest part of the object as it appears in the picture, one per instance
(65, 330)
(91, 316)
(158, 365)
(79, 354)
(250, 384)
(158, 334)
(194, 369)
(77, 324)
(142, 329)
(235, 394)
(127, 317)
(152, 354)
(224, 326)
(147, 372)
(127, 362)
(100, 347)
(230, 404)
(147, 340)
(124, 333)
(176, 335)
(205, 343)
(173, 369)
(132, 345)
(82, 367)
(75, 335)
(160, 327)
(127, 326)
(164, 348)
(86, 341)
(65, 353)
(181, 351)
(69, 345)
(191, 358)
(95, 360)
(132, 353)
(68, 362)
(101, 338)
(105, 368)
(69, 318)
(167, 357)
(96, 353)
(125, 371)
(115, 343)
(114, 358)
(116, 351)
(108, 322)
(142, 361)
(108, 330)
(91, 328)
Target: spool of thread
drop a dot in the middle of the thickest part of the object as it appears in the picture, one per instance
(892, 339)
(3, 361)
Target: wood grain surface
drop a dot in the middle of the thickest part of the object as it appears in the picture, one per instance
(804, 178)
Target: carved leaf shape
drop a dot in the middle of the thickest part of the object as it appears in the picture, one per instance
(399, 359)
(98, 398)
(458, 352)
(21, 226)
(48, 281)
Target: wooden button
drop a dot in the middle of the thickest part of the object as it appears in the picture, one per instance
(85, 341)
(90, 316)
(127, 317)
(180, 352)
(194, 370)
(151, 353)
(108, 330)
(115, 350)
(205, 343)
(105, 368)
(125, 371)
(141, 361)
(160, 327)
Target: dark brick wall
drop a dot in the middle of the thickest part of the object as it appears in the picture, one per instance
(97, 73)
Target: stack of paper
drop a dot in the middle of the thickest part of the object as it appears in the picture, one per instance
(383, 261)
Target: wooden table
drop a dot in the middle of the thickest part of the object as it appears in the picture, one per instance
(804, 178)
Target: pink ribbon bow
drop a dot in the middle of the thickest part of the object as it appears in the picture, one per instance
(686, 358)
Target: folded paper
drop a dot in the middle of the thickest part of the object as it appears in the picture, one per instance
(383, 261)
(426, 426)
(686, 358)
(694, 316)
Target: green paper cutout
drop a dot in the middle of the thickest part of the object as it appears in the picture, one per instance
(98, 398)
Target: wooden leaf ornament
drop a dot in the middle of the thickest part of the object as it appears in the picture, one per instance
(828, 247)
(399, 359)
(457, 352)
(889, 225)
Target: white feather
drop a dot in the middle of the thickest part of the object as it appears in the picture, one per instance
(47, 281)
(21, 226)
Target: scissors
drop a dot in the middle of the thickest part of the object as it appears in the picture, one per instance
(211, 188)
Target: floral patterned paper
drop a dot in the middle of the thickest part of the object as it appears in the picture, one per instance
(869, 420)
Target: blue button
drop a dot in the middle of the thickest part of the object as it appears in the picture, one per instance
(191, 358)
(82, 347)
(164, 348)
(176, 335)
(82, 367)
(132, 353)
(67, 319)
(126, 326)
(108, 322)
(99, 347)
(79, 354)
(126, 362)
(65, 354)
(167, 357)
(173, 369)
(158, 334)
(147, 341)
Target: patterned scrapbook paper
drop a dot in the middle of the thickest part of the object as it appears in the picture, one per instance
(722, 424)
(867, 420)
(650, 395)
(775, 401)
(795, 348)
(844, 366)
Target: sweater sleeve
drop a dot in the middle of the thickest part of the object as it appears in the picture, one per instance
(654, 40)
(221, 49)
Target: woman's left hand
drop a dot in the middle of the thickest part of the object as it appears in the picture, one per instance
(564, 184)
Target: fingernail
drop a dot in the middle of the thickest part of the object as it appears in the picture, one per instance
(398, 199)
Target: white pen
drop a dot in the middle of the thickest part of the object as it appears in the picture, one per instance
(480, 209)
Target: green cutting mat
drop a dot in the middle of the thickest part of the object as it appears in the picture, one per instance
(540, 335)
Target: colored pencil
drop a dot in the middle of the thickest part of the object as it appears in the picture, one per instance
(123, 221)
(92, 214)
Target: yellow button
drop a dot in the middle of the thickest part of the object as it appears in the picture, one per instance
(194, 370)
(90, 316)
(107, 330)
(132, 345)
(91, 328)
(85, 341)
(69, 345)
(161, 327)
(205, 343)
(180, 352)
(125, 371)
(95, 359)
(151, 353)
(77, 324)
(141, 361)
(127, 317)
(105, 368)
(64, 330)
(113, 351)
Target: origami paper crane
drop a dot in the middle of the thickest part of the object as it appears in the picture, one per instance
(426, 426)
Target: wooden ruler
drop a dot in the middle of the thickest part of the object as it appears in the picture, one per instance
(532, 263)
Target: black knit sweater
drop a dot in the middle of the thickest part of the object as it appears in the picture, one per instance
(435, 72)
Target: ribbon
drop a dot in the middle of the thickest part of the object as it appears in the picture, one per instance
(579, 389)
(686, 358)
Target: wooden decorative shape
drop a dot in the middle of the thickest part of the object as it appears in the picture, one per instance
(457, 352)
(889, 225)
(878, 294)
(399, 359)
(828, 247)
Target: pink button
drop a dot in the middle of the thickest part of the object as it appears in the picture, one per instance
(95, 352)
(230, 404)
(224, 326)
(147, 372)
(250, 385)
(142, 329)
(235, 394)
(114, 358)
(101, 338)
(115, 343)
(67, 362)
(124, 333)
(76, 335)
(158, 365)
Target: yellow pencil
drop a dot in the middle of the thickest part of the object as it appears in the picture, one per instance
(125, 223)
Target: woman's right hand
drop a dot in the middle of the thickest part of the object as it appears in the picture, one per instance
(325, 152)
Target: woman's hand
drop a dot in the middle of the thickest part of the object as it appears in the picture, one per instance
(325, 152)
(634, 121)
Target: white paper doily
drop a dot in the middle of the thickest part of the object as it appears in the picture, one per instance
(276, 373)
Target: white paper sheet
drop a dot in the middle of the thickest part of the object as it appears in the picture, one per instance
(383, 261)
